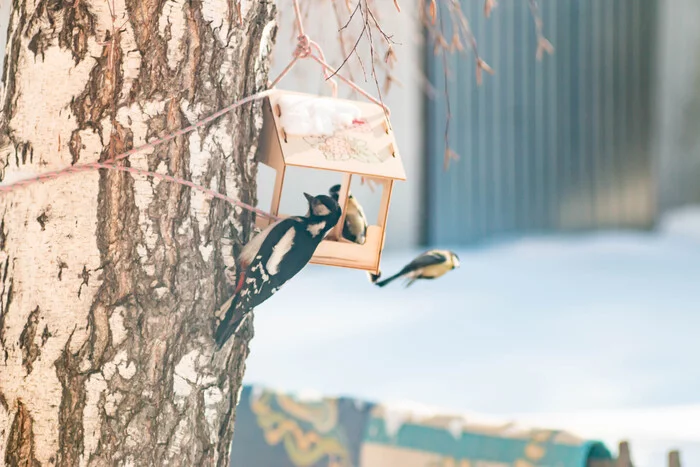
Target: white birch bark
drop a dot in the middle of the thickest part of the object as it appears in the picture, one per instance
(109, 281)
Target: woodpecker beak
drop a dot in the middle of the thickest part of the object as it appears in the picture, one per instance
(308, 197)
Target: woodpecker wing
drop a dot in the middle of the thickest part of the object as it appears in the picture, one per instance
(283, 253)
(263, 275)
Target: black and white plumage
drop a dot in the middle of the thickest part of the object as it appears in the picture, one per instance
(273, 257)
(355, 227)
(429, 265)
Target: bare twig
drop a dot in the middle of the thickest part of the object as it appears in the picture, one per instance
(358, 7)
(488, 6)
(341, 39)
(383, 57)
(449, 153)
(368, 32)
(543, 45)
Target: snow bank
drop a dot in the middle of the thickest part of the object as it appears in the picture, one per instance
(684, 222)
(315, 116)
(396, 413)
(522, 326)
(678, 423)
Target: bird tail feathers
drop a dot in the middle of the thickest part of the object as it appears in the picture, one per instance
(229, 325)
(388, 279)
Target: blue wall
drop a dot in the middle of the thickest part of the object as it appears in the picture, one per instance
(553, 145)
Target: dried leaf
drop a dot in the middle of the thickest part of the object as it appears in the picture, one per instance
(387, 84)
(390, 56)
(433, 11)
(482, 65)
(543, 45)
(449, 155)
(396, 4)
(488, 6)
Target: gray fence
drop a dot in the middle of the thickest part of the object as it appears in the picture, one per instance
(561, 144)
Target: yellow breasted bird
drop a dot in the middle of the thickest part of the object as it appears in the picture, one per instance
(429, 265)
(355, 227)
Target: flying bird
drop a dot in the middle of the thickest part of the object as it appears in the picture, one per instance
(429, 265)
(355, 227)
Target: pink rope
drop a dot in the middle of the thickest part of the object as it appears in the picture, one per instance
(51, 175)
(304, 49)
(181, 181)
(297, 14)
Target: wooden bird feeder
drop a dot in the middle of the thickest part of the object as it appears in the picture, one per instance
(367, 149)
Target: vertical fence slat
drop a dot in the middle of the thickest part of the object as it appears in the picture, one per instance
(559, 144)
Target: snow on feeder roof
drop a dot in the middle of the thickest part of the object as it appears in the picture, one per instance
(338, 135)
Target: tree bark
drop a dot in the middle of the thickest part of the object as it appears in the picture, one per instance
(108, 280)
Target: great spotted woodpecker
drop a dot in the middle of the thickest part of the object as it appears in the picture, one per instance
(355, 227)
(429, 265)
(273, 257)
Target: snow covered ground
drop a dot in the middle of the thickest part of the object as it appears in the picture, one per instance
(598, 334)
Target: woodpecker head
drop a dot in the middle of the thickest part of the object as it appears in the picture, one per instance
(324, 213)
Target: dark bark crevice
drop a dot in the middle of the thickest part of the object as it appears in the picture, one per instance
(20, 448)
(28, 341)
(70, 433)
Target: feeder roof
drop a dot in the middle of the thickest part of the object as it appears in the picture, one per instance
(367, 148)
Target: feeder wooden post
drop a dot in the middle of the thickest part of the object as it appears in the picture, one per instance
(277, 194)
(387, 188)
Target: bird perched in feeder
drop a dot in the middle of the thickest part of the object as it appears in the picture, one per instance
(273, 257)
(355, 228)
(429, 265)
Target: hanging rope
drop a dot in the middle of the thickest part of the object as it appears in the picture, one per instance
(109, 163)
(305, 48)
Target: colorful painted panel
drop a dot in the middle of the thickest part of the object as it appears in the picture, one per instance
(453, 442)
(279, 430)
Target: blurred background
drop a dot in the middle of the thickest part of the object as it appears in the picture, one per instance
(574, 207)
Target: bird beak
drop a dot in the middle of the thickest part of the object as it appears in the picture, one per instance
(308, 197)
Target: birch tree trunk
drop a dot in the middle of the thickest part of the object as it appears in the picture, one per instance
(109, 280)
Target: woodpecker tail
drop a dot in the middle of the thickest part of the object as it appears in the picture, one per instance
(373, 278)
(229, 324)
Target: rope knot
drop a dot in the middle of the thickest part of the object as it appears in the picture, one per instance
(303, 49)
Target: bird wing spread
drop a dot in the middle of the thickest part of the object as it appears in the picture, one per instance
(426, 259)
(294, 259)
